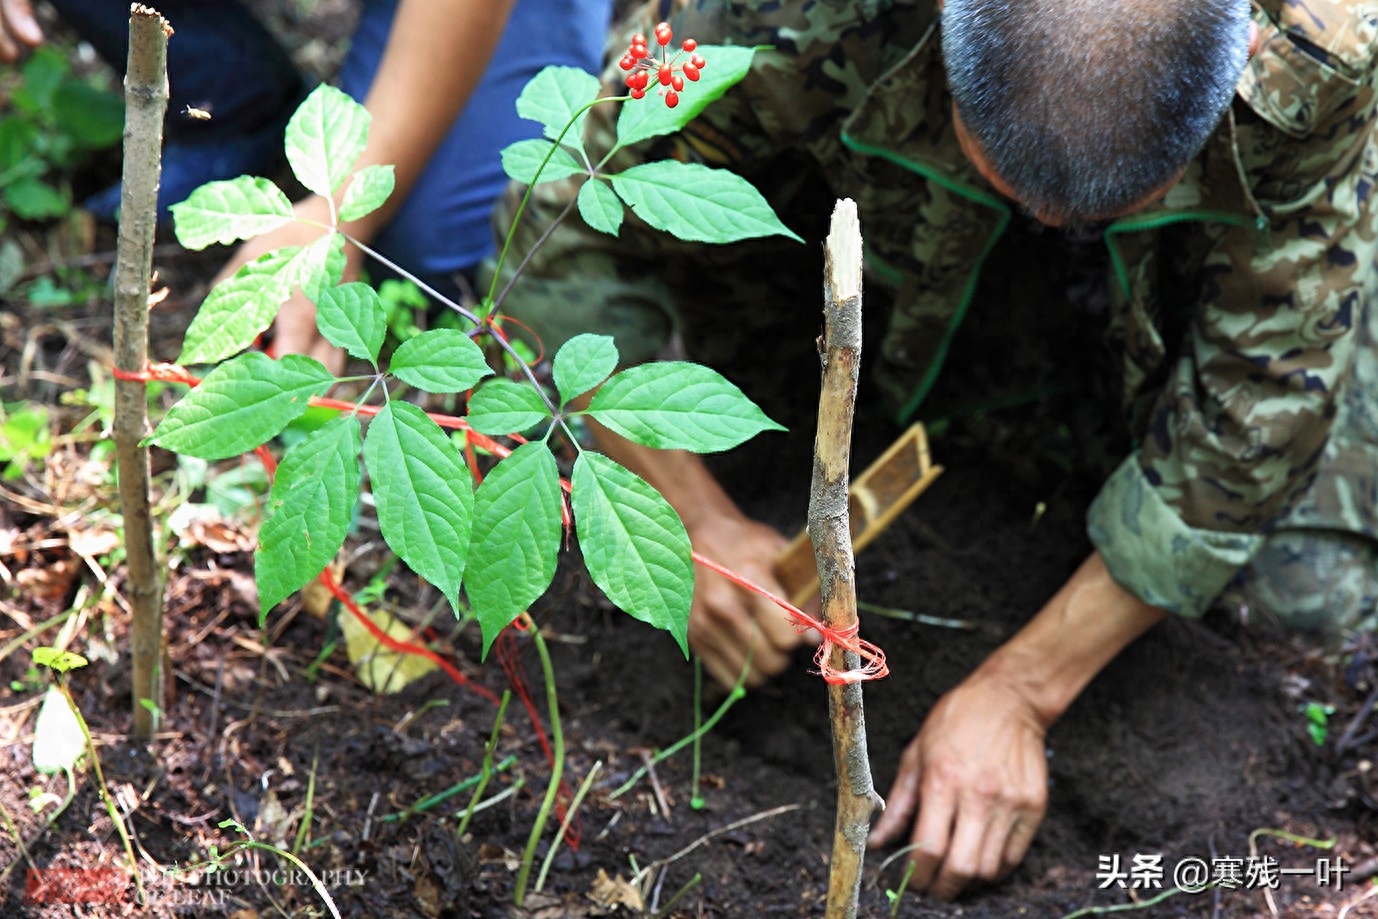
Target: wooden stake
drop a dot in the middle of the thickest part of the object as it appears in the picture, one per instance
(146, 95)
(830, 532)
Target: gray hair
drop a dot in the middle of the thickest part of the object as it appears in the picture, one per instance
(1084, 107)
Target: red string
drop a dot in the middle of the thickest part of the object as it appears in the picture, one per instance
(847, 638)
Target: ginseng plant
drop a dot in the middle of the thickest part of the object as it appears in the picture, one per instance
(497, 539)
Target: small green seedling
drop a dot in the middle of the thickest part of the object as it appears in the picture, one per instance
(1318, 721)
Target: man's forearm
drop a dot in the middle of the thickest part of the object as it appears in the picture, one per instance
(1089, 621)
(436, 55)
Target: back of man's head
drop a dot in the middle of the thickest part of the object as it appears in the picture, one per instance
(1086, 107)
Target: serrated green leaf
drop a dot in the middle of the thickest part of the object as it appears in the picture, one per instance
(693, 202)
(226, 212)
(505, 407)
(351, 317)
(240, 404)
(600, 207)
(553, 96)
(321, 265)
(424, 493)
(325, 136)
(674, 405)
(516, 539)
(58, 741)
(634, 544)
(522, 159)
(367, 191)
(441, 360)
(309, 510)
(241, 307)
(582, 363)
(642, 119)
(33, 199)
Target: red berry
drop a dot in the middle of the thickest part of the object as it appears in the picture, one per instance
(671, 98)
(689, 45)
(639, 79)
(638, 39)
(664, 75)
(691, 73)
(677, 82)
(663, 34)
(638, 93)
(626, 63)
(698, 61)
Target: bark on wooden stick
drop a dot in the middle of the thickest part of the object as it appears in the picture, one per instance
(146, 95)
(830, 532)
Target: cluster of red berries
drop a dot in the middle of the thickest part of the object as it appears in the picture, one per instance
(670, 72)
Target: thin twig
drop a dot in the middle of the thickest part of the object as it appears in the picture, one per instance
(709, 836)
(564, 824)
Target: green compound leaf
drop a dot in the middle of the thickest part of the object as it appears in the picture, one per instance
(642, 119)
(600, 207)
(516, 539)
(424, 493)
(351, 317)
(693, 202)
(634, 544)
(325, 137)
(506, 407)
(240, 404)
(441, 360)
(308, 510)
(553, 96)
(367, 191)
(582, 363)
(228, 211)
(522, 159)
(673, 405)
(239, 308)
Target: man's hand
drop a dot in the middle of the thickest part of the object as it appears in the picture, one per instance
(294, 330)
(727, 622)
(18, 29)
(977, 773)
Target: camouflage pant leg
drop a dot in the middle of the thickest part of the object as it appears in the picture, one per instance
(1317, 581)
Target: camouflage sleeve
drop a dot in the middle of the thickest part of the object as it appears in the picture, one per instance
(1234, 439)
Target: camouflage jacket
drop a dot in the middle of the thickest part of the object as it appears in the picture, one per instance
(1273, 221)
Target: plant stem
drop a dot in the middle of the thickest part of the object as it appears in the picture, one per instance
(830, 532)
(899, 894)
(564, 824)
(737, 694)
(695, 800)
(489, 749)
(557, 737)
(146, 95)
(103, 789)
(316, 882)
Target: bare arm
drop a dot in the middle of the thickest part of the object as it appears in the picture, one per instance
(977, 772)
(436, 55)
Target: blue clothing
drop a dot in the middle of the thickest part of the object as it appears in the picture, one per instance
(443, 228)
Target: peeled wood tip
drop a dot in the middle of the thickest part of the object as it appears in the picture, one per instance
(844, 249)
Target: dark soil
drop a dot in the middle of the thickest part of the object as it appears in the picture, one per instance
(1190, 742)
